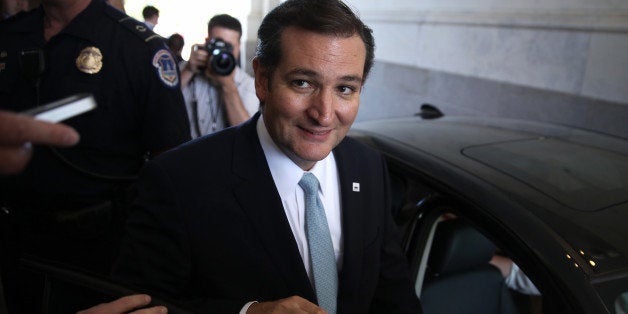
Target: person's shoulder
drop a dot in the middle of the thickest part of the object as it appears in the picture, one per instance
(357, 154)
(201, 148)
(21, 20)
(134, 28)
(146, 45)
(353, 146)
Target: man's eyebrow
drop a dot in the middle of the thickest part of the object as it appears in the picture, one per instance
(314, 74)
(352, 78)
(306, 72)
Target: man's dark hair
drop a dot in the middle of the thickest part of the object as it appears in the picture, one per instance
(175, 42)
(331, 17)
(149, 11)
(226, 21)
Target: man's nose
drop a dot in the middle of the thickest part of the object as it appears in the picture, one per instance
(322, 107)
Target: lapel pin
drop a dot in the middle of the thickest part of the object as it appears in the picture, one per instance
(356, 187)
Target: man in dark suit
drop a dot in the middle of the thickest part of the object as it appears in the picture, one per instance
(224, 223)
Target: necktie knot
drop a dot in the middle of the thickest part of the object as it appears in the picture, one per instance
(309, 184)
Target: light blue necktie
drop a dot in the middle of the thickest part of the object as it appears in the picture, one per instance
(321, 248)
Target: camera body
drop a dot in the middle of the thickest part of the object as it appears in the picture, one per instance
(221, 60)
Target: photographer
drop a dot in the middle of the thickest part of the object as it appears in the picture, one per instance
(216, 96)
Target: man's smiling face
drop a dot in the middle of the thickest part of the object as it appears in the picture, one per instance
(314, 93)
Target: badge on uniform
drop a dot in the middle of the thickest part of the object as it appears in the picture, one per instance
(166, 67)
(89, 60)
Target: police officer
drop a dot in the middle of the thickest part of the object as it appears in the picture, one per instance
(66, 203)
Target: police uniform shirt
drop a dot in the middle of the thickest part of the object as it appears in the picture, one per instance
(133, 77)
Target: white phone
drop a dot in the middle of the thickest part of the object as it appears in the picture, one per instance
(63, 109)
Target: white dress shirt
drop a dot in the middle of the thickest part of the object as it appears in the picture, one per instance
(287, 175)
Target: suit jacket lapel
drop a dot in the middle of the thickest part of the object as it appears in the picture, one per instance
(260, 200)
(352, 220)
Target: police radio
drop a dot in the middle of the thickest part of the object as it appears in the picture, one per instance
(33, 67)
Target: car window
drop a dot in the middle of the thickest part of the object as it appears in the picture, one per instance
(621, 304)
(459, 257)
(423, 213)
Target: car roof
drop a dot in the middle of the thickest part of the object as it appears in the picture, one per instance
(573, 179)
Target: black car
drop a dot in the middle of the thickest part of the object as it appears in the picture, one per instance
(554, 199)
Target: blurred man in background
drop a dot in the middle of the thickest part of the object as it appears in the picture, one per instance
(176, 42)
(213, 100)
(151, 16)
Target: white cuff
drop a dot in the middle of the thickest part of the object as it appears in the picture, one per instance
(518, 281)
(246, 307)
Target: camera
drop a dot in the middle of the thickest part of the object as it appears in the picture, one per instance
(221, 59)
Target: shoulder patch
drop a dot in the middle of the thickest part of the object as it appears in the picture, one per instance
(138, 28)
(166, 67)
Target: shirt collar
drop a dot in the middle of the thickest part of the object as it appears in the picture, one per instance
(86, 23)
(82, 25)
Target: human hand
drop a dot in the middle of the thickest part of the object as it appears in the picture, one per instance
(504, 264)
(17, 131)
(293, 304)
(197, 60)
(126, 304)
(225, 82)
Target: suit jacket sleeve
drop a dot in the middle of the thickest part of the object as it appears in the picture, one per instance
(156, 253)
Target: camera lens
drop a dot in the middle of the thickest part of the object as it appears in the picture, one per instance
(222, 62)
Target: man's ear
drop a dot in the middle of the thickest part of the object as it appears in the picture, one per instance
(261, 80)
